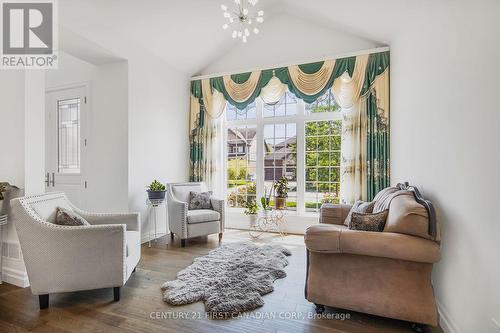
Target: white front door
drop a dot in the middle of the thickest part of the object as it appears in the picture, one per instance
(66, 114)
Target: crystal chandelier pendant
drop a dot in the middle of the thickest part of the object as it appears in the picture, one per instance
(242, 19)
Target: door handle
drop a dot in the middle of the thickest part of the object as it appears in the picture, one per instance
(53, 180)
(47, 179)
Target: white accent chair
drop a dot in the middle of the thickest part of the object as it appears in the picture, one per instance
(187, 223)
(73, 258)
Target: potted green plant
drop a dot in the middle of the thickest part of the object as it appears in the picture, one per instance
(252, 208)
(156, 191)
(281, 192)
(265, 200)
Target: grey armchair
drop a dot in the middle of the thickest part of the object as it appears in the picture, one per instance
(187, 223)
(67, 258)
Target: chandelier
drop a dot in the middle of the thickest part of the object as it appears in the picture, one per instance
(242, 19)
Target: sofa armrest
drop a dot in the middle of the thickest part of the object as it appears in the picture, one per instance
(339, 239)
(334, 213)
(131, 220)
(389, 245)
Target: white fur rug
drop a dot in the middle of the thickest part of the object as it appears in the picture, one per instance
(230, 279)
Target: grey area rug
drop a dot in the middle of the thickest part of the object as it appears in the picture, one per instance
(230, 279)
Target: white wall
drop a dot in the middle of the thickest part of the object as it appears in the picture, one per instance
(286, 39)
(12, 127)
(22, 157)
(158, 132)
(106, 164)
(445, 129)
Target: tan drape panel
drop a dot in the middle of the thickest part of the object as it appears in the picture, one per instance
(241, 92)
(381, 86)
(311, 84)
(273, 91)
(353, 147)
(214, 102)
(194, 112)
(212, 152)
(346, 90)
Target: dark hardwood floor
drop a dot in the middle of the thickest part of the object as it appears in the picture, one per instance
(141, 308)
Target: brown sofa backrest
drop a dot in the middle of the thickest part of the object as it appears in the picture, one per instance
(406, 214)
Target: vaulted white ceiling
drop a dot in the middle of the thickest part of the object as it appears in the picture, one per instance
(187, 34)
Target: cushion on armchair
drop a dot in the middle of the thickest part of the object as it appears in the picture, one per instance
(200, 200)
(202, 215)
(68, 217)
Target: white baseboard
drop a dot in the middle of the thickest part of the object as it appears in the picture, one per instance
(445, 321)
(15, 277)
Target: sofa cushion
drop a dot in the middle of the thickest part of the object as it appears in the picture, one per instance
(368, 221)
(359, 207)
(407, 216)
(68, 217)
(202, 215)
(200, 200)
(324, 237)
(131, 238)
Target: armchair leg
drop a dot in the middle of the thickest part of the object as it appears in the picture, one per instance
(183, 243)
(220, 237)
(116, 293)
(44, 301)
(171, 235)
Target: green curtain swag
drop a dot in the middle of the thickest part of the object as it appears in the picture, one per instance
(376, 60)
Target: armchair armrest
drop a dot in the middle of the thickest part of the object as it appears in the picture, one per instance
(177, 216)
(334, 213)
(131, 220)
(220, 206)
(63, 259)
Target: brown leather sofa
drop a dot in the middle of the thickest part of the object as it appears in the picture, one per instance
(381, 273)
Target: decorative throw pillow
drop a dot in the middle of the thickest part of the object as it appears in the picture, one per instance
(359, 207)
(67, 217)
(200, 200)
(368, 222)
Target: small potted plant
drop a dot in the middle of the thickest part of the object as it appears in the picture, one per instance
(156, 191)
(251, 211)
(265, 201)
(281, 192)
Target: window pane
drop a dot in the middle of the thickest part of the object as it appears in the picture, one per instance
(287, 106)
(280, 158)
(233, 113)
(241, 165)
(324, 103)
(68, 135)
(322, 173)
